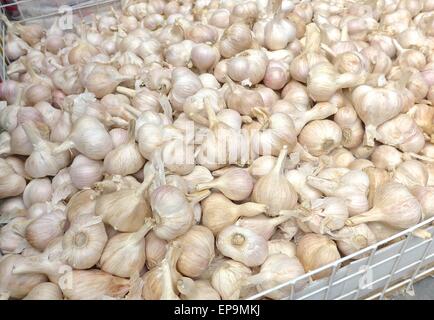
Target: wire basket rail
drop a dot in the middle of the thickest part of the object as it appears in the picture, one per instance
(382, 269)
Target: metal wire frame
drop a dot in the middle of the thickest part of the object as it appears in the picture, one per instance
(397, 274)
(341, 272)
(80, 11)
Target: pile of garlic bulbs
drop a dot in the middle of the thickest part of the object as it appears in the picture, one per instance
(211, 149)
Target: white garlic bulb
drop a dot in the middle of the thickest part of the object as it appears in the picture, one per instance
(315, 251)
(277, 269)
(393, 205)
(242, 245)
(125, 159)
(124, 253)
(228, 277)
(274, 190)
(84, 241)
(219, 212)
(197, 246)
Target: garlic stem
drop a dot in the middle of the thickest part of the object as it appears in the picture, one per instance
(279, 166)
(372, 215)
(126, 91)
(324, 185)
(141, 233)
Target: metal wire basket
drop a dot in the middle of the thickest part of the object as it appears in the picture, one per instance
(405, 260)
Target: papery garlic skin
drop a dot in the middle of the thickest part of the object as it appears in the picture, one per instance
(277, 269)
(393, 205)
(197, 251)
(315, 251)
(320, 137)
(172, 212)
(84, 241)
(45, 291)
(124, 253)
(274, 190)
(242, 245)
(227, 278)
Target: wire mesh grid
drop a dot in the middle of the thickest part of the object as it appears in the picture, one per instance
(381, 270)
(44, 12)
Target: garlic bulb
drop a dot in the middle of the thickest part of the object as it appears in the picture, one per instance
(83, 202)
(11, 184)
(125, 209)
(314, 251)
(124, 253)
(403, 133)
(219, 212)
(184, 84)
(204, 57)
(12, 235)
(155, 250)
(310, 56)
(89, 137)
(236, 184)
(323, 81)
(352, 186)
(44, 160)
(45, 291)
(37, 190)
(425, 196)
(411, 173)
(325, 215)
(160, 281)
(263, 225)
(84, 241)
(276, 270)
(241, 99)
(228, 277)
(16, 285)
(248, 66)
(281, 246)
(46, 228)
(101, 79)
(196, 290)
(236, 38)
(125, 159)
(353, 239)
(352, 128)
(366, 100)
(242, 245)
(93, 284)
(393, 205)
(274, 190)
(278, 32)
(85, 172)
(197, 251)
(320, 137)
(171, 221)
(297, 178)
